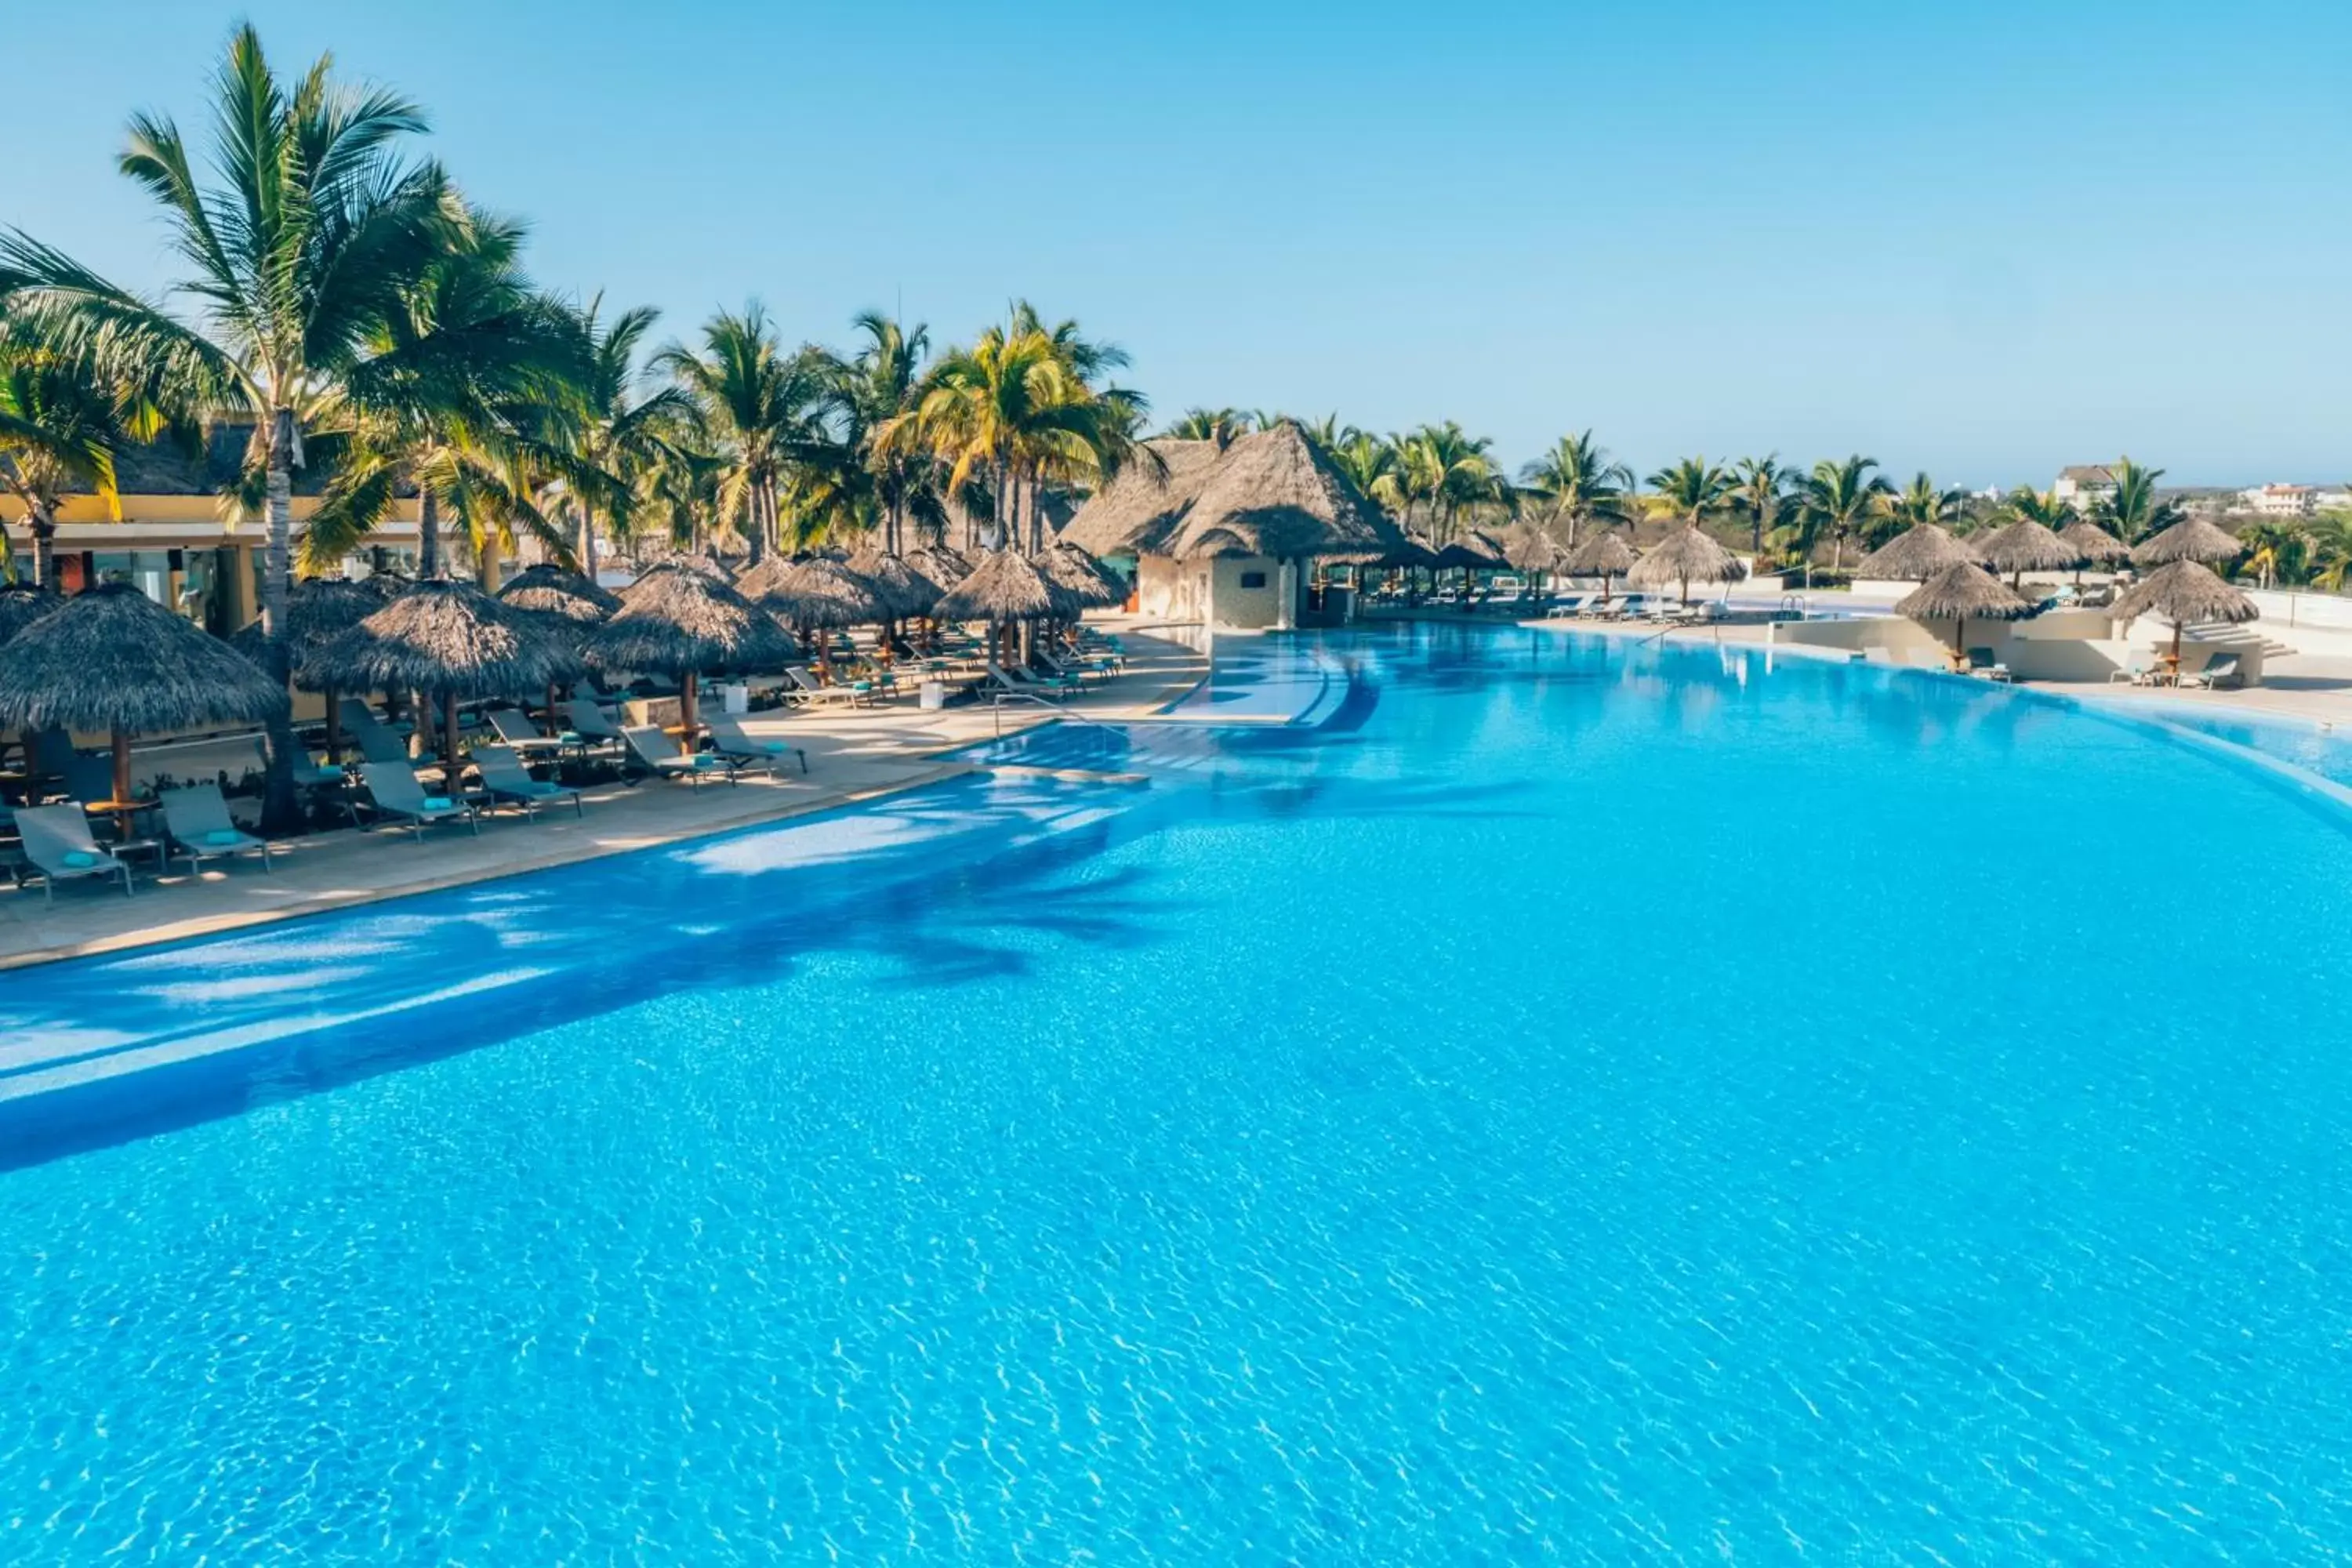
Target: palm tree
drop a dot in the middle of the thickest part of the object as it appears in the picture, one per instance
(1448, 470)
(1835, 500)
(449, 402)
(1692, 491)
(1759, 493)
(757, 409)
(615, 428)
(2026, 504)
(880, 383)
(1580, 483)
(2132, 512)
(1218, 424)
(2330, 536)
(2276, 554)
(299, 251)
(1367, 460)
(1923, 501)
(61, 426)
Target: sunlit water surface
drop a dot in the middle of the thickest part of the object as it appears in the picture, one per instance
(1570, 1103)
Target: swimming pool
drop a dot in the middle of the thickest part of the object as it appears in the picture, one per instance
(1567, 1099)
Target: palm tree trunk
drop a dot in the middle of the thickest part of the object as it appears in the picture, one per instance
(45, 547)
(586, 550)
(450, 767)
(687, 696)
(429, 536)
(281, 812)
(755, 511)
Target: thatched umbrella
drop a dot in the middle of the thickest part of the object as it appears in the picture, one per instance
(680, 621)
(1961, 593)
(942, 566)
(547, 590)
(111, 659)
(1003, 589)
(2182, 591)
(2025, 546)
(1074, 571)
(1603, 556)
(2094, 545)
(453, 643)
(817, 594)
(1532, 552)
(2190, 539)
(318, 611)
(21, 606)
(904, 591)
(1686, 557)
(1916, 554)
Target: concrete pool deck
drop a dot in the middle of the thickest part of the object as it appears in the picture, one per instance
(854, 755)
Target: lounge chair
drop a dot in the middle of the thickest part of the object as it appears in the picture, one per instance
(657, 752)
(56, 841)
(395, 792)
(589, 729)
(504, 777)
(381, 743)
(729, 741)
(1980, 661)
(2139, 670)
(520, 735)
(807, 688)
(2221, 672)
(196, 821)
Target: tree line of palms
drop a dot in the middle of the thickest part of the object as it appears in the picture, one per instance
(343, 304)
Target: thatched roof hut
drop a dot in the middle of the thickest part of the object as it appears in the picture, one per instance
(449, 639)
(112, 659)
(1916, 554)
(1074, 571)
(2184, 592)
(1271, 493)
(2094, 545)
(680, 620)
(817, 594)
(1410, 552)
(2190, 539)
(1961, 593)
(1603, 556)
(941, 564)
(21, 606)
(1529, 548)
(546, 590)
(318, 611)
(904, 591)
(2025, 546)
(1005, 586)
(1685, 556)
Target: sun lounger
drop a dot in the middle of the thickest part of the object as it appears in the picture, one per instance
(2221, 672)
(504, 777)
(657, 752)
(56, 841)
(197, 823)
(807, 688)
(1980, 661)
(729, 741)
(520, 735)
(589, 729)
(380, 743)
(393, 788)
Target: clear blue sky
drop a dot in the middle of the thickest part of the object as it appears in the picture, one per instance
(1985, 239)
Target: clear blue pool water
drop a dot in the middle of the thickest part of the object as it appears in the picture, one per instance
(1569, 1102)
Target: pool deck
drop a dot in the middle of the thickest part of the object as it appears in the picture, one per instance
(854, 755)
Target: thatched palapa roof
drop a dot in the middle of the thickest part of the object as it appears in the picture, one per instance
(2026, 545)
(2184, 593)
(2190, 539)
(903, 589)
(1270, 493)
(318, 611)
(678, 617)
(1604, 555)
(1005, 586)
(2094, 545)
(1528, 548)
(1963, 591)
(1685, 556)
(447, 639)
(1474, 552)
(547, 590)
(111, 659)
(1410, 550)
(1075, 572)
(20, 606)
(1916, 554)
(817, 593)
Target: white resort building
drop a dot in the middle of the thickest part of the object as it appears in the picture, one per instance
(1227, 533)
